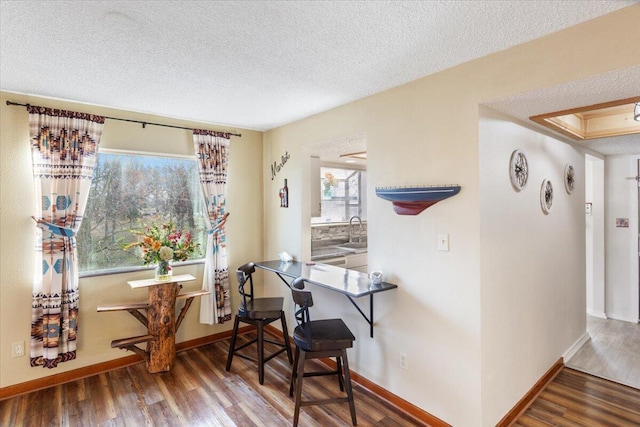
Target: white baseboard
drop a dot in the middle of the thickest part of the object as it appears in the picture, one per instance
(600, 314)
(575, 347)
(623, 318)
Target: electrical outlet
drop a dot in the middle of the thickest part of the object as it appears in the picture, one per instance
(403, 361)
(17, 349)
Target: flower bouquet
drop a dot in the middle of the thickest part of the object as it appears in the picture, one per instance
(330, 182)
(161, 244)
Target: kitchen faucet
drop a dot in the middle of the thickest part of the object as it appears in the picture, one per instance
(351, 229)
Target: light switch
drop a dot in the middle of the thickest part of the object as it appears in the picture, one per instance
(443, 242)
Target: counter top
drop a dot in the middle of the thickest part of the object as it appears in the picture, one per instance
(334, 252)
(328, 252)
(349, 282)
(332, 224)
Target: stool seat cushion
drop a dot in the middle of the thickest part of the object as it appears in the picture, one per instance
(323, 335)
(262, 308)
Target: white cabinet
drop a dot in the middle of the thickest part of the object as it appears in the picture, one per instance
(362, 269)
(314, 191)
(357, 262)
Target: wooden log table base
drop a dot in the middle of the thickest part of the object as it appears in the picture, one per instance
(160, 321)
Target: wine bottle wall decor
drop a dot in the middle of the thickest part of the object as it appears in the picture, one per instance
(284, 195)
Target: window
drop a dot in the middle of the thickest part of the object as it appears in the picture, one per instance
(131, 190)
(343, 195)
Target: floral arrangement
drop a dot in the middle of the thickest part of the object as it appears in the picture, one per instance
(330, 182)
(163, 243)
(330, 179)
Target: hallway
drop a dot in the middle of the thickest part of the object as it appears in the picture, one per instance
(613, 352)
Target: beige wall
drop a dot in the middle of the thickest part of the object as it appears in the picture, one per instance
(17, 235)
(427, 132)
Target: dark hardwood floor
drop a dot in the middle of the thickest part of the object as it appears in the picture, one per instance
(577, 399)
(199, 392)
(196, 392)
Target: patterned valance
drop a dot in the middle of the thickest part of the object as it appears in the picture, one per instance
(56, 112)
(225, 135)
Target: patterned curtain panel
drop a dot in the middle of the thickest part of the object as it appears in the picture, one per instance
(212, 152)
(64, 145)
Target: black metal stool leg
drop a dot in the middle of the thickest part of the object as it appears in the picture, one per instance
(298, 388)
(285, 336)
(339, 372)
(261, 352)
(293, 371)
(347, 385)
(232, 346)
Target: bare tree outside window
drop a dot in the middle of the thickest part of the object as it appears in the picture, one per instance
(129, 191)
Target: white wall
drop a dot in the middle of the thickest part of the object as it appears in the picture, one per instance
(621, 201)
(594, 194)
(533, 265)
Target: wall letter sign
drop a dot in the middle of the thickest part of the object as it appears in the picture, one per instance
(275, 167)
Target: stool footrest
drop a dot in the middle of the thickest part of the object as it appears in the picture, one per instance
(321, 373)
(254, 359)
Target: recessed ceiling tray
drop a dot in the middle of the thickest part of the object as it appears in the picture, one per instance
(413, 200)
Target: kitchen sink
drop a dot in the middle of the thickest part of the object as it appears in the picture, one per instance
(331, 251)
(340, 250)
(353, 245)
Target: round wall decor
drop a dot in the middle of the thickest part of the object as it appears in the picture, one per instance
(546, 196)
(569, 178)
(518, 170)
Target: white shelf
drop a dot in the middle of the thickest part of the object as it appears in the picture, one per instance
(152, 282)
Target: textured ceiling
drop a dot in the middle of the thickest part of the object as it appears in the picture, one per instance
(256, 64)
(621, 84)
(332, 150)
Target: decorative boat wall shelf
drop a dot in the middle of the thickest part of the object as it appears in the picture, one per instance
(413, 200)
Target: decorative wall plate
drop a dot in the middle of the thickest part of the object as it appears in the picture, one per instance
(569, 178)
(518, 170)
(546, 196)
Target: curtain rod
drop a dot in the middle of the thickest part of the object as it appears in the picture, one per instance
(144, 124)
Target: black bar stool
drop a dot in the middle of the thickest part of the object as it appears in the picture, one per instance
(258, 312)
(319, 339)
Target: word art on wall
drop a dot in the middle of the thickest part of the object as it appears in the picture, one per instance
(275, 167)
